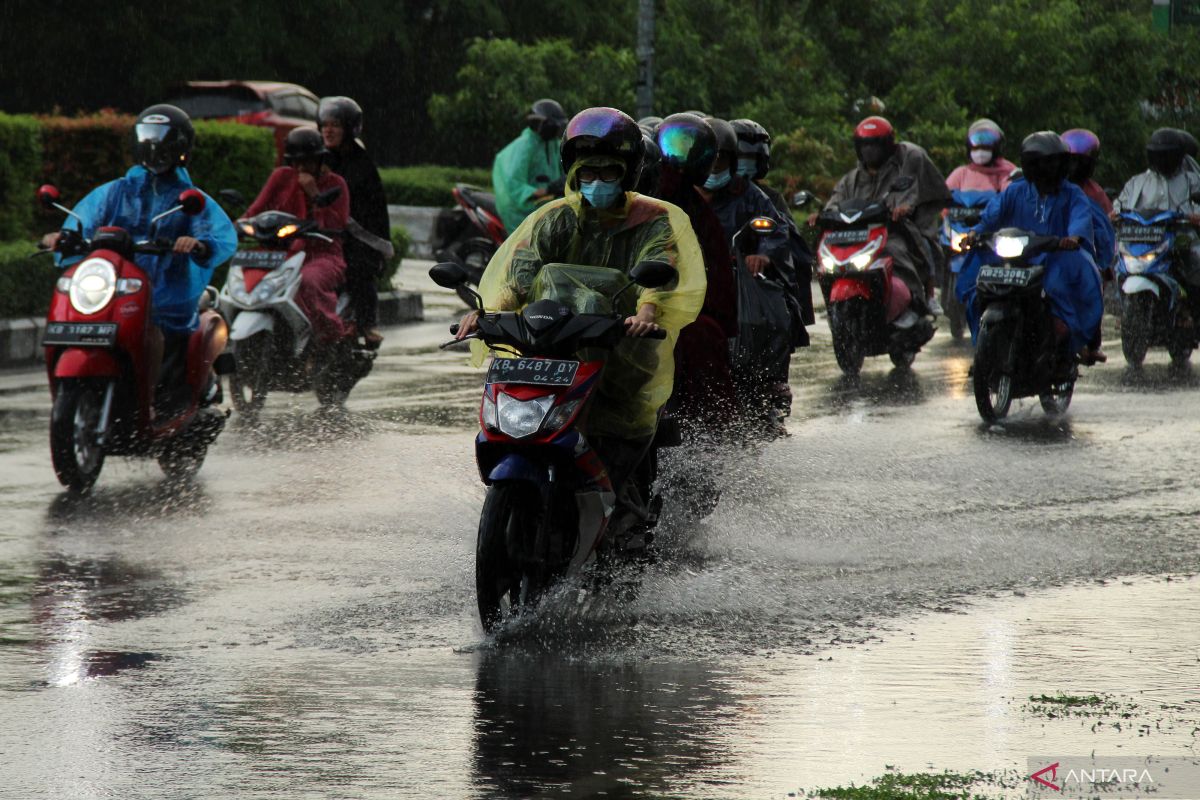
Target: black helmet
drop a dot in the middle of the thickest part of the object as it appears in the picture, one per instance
(343, 110)
(1165, 151)
(726, 141)
(162, 138)
(604, 131)
(689, 145)
(753, 140)
(546, 118)
(1190, 145)
(651, 165)
(650, 124)
(303, 143)
(1044, 160)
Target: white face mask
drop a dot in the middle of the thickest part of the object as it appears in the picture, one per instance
(981, 157)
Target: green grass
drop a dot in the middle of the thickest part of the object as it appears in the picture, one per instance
(429, 184)
(912, 786)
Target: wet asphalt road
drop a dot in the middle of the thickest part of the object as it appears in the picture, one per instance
(299, 621)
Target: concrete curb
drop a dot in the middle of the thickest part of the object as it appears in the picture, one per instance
(418, 221)
(21, 337)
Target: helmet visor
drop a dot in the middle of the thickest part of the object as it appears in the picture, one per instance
(984, 138)
(151, 132)
(680, 145)
(598, 123)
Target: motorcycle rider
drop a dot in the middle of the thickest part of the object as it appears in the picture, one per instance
(915, 210)
(163, 137)
(369, 244)
(704, 392)
(1047, 204)
(754, 162)
(527, 171)
(1084, 149)
(1168, 185)
(294, 188)
(987, 170)
(601, 222)
(736, 201)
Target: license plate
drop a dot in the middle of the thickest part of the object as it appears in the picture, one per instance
(95, 334)
(258, 259)
(533, 371)
(1005, 276)
(853, 236)
(1142, 233)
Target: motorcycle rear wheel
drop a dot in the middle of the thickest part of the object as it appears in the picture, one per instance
(503, 585)
(993, 388)
(74, 451)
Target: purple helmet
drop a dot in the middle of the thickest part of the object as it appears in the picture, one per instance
(604, 131)
(1084, 149)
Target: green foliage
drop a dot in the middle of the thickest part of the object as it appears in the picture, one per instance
(912, 786)
(229, 155)
(80, 153)
(20, 169)
(26, 280)
(401, 241)
(429, 185)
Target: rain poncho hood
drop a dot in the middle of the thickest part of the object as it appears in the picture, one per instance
(526, 164)
(131, 202)
(575, 254)
(927, 196)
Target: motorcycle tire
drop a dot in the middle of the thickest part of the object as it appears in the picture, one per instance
(1136, 314)
(182, 458)
(1180, 349)
(903, 359)
(1057, 399)
(847, 348)
(250, 382)
(955, 312)
(74, 451)
(505, 584)
(993, 387)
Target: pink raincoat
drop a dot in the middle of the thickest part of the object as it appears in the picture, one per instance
(993, 177)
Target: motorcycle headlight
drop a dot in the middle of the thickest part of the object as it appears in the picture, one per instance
(956, 239)
(488, 413)
(93, 285)
(521, 418)
(827, 262)
(862, 260)
(560, 416)
(1010, 246)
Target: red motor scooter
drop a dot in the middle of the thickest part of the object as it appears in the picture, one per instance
(868, 303)
(96, 358)
(471, 233)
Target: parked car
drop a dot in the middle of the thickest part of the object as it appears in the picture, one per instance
(280, 106)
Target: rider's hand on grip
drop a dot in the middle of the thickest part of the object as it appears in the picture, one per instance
(1068, 243)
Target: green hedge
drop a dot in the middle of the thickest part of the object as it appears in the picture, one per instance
(428, 184)
(26, 281)
(229, 155)
(20, 164)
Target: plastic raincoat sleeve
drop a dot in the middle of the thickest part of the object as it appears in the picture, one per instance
(93, 209)
(640, 374)
(513, 173)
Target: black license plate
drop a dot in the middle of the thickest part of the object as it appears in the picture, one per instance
(533, 371)
(258, 259)
(964, 214)
(94, 334)
(1005, 276)
(853, 236)
(1142, 233)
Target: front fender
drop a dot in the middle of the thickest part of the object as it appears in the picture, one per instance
(845, 289)
(1139, 283)
(248, 323)
(78, 362)
(995, 314)
(516, 467)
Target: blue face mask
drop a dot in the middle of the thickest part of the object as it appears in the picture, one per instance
(715, 182)
(747, 167)
(601, 194)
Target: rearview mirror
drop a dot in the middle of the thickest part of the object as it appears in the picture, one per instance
(448, 275)
(801, 198)
(653, 274)
(328, 197)
(763, 225)
(902, 184)
(192, 201)
(47, 195)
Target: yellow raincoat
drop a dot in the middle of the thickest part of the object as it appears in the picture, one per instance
(572, 239)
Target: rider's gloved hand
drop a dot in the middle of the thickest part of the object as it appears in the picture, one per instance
(1068, 243)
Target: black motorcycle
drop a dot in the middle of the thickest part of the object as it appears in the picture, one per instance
(1016, 351)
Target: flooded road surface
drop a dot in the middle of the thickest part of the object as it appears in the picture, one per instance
(886, 587)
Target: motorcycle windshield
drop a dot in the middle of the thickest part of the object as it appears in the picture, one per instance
(583, 289)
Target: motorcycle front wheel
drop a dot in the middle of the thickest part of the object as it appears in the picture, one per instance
(507, 579)
(75, 450)
(992, 384)
(249, 383)
(1136, 313)
(847, 348)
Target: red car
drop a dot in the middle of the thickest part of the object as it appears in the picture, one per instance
(280, 106)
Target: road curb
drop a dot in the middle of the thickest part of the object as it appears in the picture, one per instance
(21, 337)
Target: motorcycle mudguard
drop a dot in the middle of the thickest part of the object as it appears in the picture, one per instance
(207, 342)
(845, 289)
(1138, 283)
(248, 323)
(78, 362)
(514, 467)
(995, 313)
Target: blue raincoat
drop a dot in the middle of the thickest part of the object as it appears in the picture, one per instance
(1072, 282)
(178, 280)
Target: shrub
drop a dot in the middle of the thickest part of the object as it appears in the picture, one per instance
(20, 169)
(429, 185)
(229, 155)
(26, 281)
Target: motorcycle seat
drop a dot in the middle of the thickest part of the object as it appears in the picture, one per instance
(482, 199)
